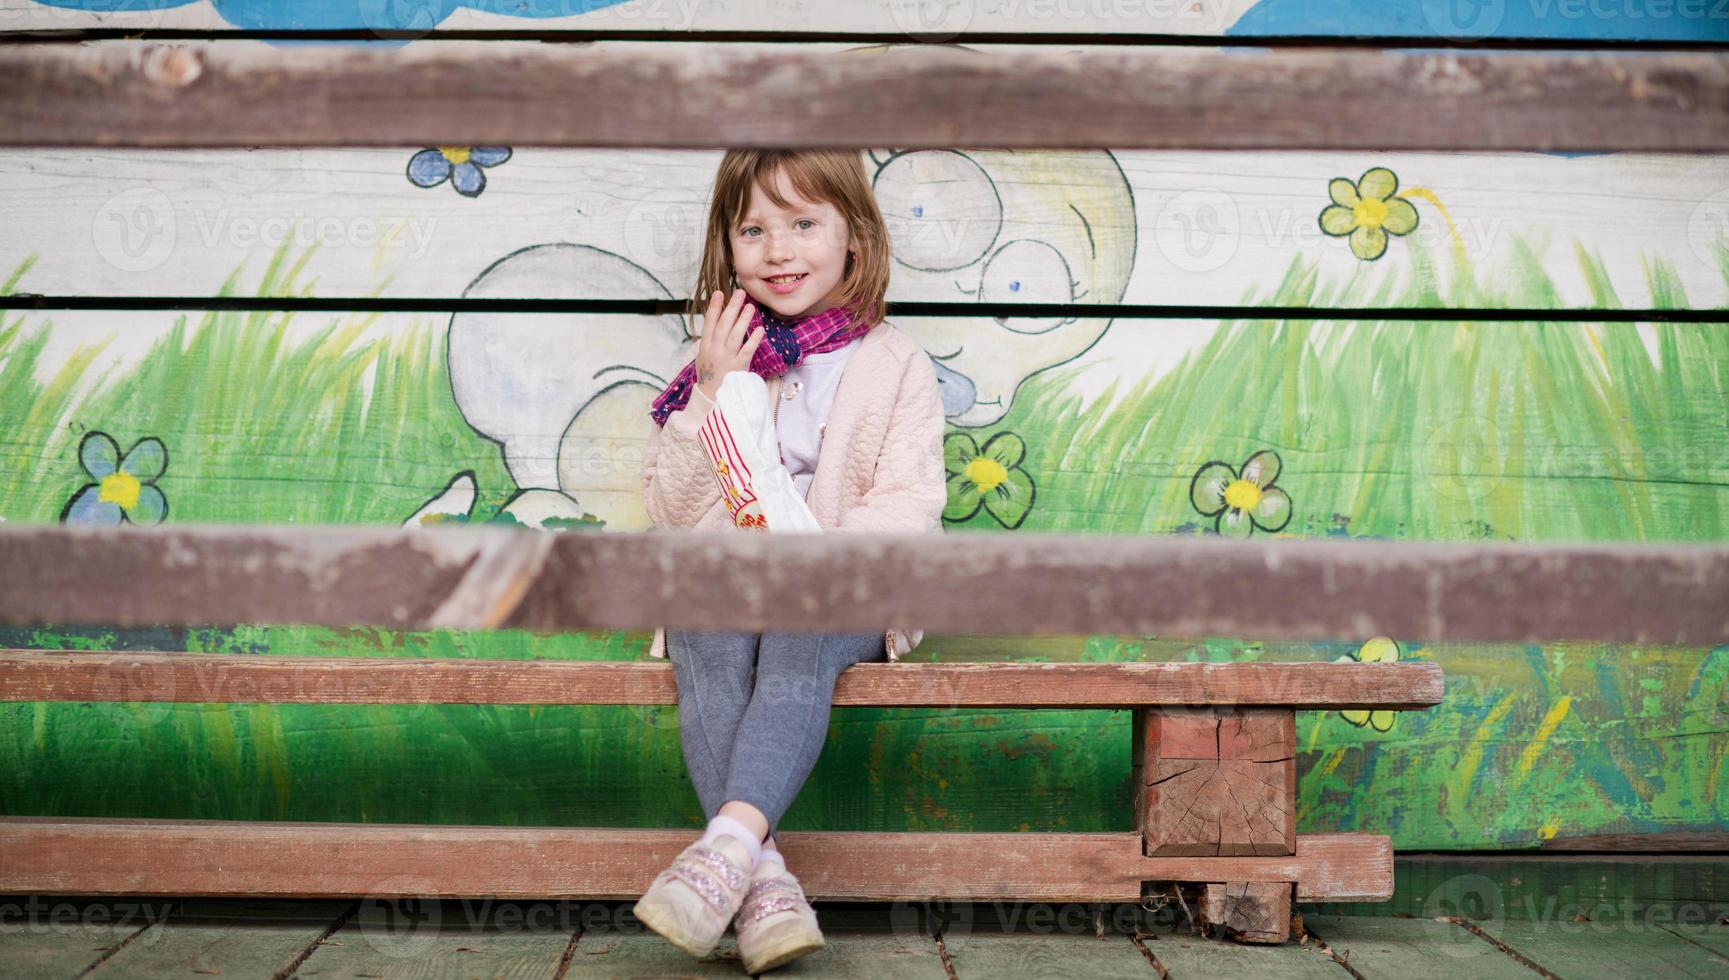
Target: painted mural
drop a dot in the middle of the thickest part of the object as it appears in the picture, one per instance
(933, 20)
(1456, 427)
(1448, 428)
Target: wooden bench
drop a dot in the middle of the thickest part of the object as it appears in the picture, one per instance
(1213, 754)
(1214, 767)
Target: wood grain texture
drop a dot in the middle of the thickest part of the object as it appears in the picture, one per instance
(236, 93)
(96, 856)
(1023, 583)
(1250, 911)
(73, 675)
(1218, 782)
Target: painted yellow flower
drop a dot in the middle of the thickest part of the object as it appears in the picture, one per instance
(989, 478)
(1368, 212)
(1378, 650)
(1242, 500)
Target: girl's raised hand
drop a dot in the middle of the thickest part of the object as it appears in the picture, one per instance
(723, 347)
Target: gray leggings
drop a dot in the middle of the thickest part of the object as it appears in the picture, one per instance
(753, 709)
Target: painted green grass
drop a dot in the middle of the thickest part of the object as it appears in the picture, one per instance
(258, 429)
(1445, 430)
(1430, 430)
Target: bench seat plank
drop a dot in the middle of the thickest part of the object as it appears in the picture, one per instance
(76, 675)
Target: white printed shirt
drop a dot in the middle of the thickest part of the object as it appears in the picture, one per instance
(812, 383)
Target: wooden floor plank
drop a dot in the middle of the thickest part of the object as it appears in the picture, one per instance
(1044, 953)
(1184, 955)
(1713, 936)
(63, 936)
(218, 938)
(866, 941)
(862, 944)
(1391, 947)
(431, 939)
(1607, 951)
(614, 954)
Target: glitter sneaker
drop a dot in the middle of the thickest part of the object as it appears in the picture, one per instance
(775, 925)
(691, 902)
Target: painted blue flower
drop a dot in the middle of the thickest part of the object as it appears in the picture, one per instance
(461, 164)
(125, 490)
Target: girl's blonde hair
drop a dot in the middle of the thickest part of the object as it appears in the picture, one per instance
(836, 177)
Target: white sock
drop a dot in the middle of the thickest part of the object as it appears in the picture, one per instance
(723, 824)
(771, 853)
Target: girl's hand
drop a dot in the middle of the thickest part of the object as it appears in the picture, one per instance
(723, 347)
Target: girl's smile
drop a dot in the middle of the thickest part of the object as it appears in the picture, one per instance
(786, 286)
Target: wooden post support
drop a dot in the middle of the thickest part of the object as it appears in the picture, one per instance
(1251, 911)
(1222, 781)
(1218, 781)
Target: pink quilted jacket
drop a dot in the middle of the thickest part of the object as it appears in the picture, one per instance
(880, 468)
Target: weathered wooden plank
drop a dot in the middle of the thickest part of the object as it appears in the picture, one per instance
(481, 578)
(1592, 950)
(1053, 951)
(857, 946)
(1384, 946)
(1683, 890)
(1251, 911)
(53, 936)
(74, 675)
(1714, 936)
(1236, 229)
(236, 93)
(256, 938)
(1184, 956)
(238, 859)
(446, 939)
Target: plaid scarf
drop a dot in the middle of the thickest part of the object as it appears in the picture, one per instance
(786, 341)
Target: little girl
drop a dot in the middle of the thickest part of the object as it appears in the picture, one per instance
(799, 238)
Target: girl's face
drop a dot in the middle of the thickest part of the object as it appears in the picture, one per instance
(806, 239)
